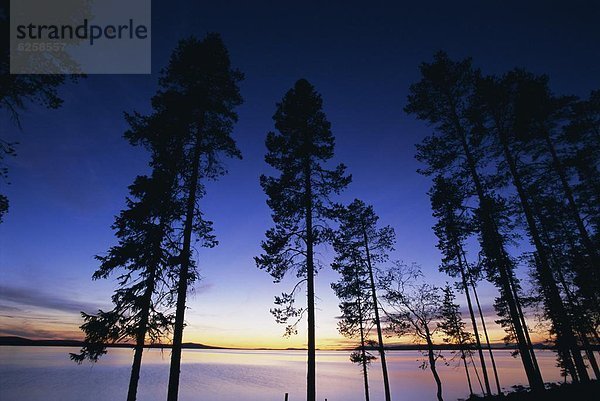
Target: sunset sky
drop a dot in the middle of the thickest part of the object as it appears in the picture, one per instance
(73, 167)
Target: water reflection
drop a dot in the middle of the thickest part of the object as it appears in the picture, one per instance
(46, 373)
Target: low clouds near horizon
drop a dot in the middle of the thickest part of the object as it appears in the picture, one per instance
(35, 314)
(33, 297)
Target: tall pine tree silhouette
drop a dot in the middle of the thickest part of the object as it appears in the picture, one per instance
(453, 227)
(144, 258)
(453, 327)
(360, 239)
(443, 98)
(356, 307)
(497, 102)
(191, 123)
(299, 199)
(198, 96)
(540, 119)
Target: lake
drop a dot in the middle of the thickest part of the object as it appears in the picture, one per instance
(47, 374)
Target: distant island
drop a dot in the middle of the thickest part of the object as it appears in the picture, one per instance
(21, 341)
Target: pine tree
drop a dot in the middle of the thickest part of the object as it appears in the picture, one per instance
(300, 201)
(190, 131)
(149, 248)
(498, 102)
(569, 260)
(359, 238)
(197, 99)
(547, 128)
(357, 309)
(453, 327)
(143, 259)
(582, 134)
(443, 97)
(453, 227)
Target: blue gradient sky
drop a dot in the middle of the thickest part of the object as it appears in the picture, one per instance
(73, 168)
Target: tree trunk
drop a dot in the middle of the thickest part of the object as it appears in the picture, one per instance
(464, 358)
(182, 285)
(135, 372)
(496, 252)
(141, 335)
(431, 356)
(564, 330)
(362, 347)
(589, 245)
(487, 338)
(311, 387)
(380, 345)
(590, 355)
(589, 352)
(524, 323)
(463, 277)
(477, 374)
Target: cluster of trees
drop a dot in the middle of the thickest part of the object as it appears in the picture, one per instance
(508, 160)
(188, 137)
(511, 160)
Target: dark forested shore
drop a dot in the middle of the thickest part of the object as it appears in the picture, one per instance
(24, 342)
(554, 392)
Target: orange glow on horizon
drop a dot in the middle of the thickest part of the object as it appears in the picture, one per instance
(67, 331)
(61, 326)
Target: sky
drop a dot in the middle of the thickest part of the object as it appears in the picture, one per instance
(73, 167)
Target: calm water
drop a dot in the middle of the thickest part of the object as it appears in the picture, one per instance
(47, 374)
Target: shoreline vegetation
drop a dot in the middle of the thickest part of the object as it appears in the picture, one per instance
(553, 392)
(26, 342)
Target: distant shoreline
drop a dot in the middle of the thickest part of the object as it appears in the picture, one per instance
(20, 341)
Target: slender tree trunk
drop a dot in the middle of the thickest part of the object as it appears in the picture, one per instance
(464, 358)
(311, 387)
(487, 338)
(135, 372)
(524, 323)
(182, 285)
(486, 379)
(587, 242)
(559, 316)
(564, 355)
(589, 352)
(137, 357)
(580, 330)
(362, 347)
(380, 345)
(496, 252)
(431, 356)
(589, 245)
(590, 355)
(141, 335)
(477, 374)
